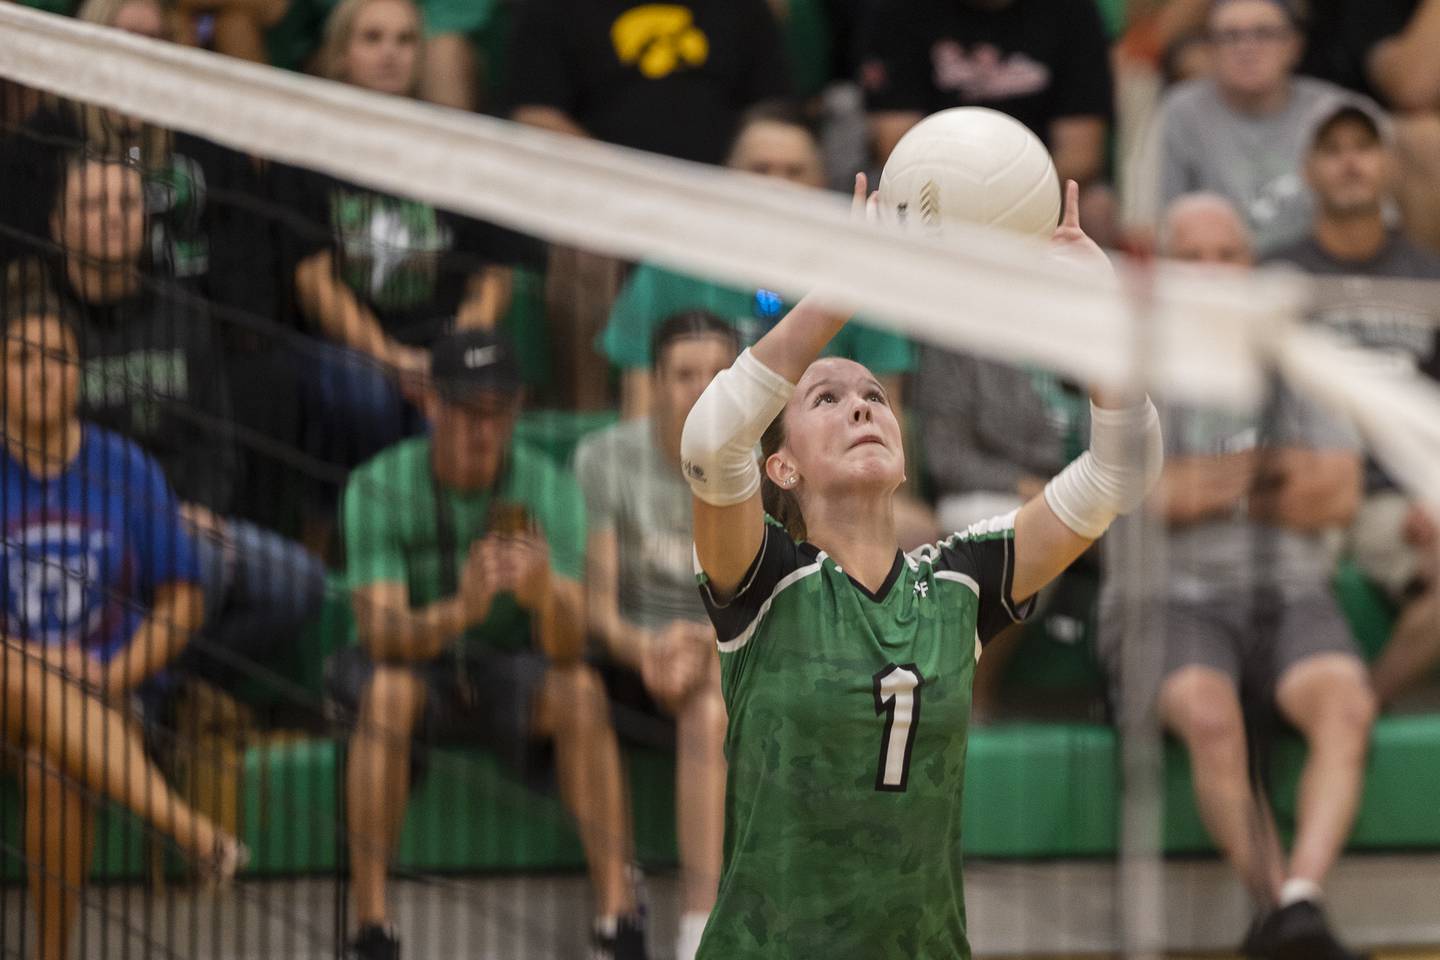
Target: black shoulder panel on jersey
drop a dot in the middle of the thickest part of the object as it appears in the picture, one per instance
(779, 556)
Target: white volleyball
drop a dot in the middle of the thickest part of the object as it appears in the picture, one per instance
(971, 165)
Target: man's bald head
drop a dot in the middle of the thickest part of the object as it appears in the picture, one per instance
(1206, 228)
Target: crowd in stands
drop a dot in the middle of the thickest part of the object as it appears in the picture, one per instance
(237, 381)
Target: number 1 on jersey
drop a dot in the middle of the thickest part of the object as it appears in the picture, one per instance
(897, 695)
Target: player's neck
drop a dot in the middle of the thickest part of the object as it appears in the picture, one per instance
(1352, 238)
(44, 451)
(858, 533)
(101, 283)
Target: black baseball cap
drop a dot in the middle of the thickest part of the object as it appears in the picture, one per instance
(470, 362)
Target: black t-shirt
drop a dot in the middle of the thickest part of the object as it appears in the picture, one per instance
(153, 371)
(407, 261)
(668, 78)
(1343, 33)
(1037, 60)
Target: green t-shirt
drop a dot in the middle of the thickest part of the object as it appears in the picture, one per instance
(653, 294)
(391, 533)
(848, 720)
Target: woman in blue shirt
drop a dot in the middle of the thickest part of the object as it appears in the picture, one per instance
(101, 593)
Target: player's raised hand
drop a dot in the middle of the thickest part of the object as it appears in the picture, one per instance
(863, 204)
(1070, 244)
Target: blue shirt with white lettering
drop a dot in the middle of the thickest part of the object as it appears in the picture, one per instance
(85, 549)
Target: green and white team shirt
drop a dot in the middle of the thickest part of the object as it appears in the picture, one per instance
(849, 713)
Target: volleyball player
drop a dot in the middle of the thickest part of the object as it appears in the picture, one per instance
(846, 664)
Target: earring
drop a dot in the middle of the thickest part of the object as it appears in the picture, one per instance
(790, 482)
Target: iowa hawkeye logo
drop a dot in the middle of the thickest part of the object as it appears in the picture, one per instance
(659, 39)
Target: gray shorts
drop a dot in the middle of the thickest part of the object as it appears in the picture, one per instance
(1254, 641)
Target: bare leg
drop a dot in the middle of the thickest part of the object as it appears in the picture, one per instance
(574, 712)
(92, 743)
(1328, 699)
(449, 72)
(59, 841)
(1413, 649)
(700, 791)
(1202, 708)
(377, 782)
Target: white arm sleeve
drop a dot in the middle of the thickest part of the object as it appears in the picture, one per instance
(717, 449)
(1103, 483)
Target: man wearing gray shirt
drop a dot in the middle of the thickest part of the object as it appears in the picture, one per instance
(1248, 617)
(1242, 132)
(1351, 168)
(641, 598)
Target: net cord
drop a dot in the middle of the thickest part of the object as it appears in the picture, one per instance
(980, 291)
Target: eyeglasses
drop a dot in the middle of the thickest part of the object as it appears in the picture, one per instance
(1260, 35)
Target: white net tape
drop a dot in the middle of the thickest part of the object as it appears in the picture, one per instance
(996, 298)
(978, 291)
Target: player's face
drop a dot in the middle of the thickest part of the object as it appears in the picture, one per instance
(1255, 46)
(1349, 170)
(841, 435)
(781, 151)
(42, 383)
(1213, 237)
(101, 215)
(471, 438)
(142, 17)
(686, 369)
(384, 47)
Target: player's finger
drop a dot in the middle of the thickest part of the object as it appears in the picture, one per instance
(1072, 205)
(872, 208)
(857, 196)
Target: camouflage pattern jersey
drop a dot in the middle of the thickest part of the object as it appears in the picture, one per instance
(849, 714)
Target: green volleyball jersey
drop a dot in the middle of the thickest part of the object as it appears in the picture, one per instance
(846, 745)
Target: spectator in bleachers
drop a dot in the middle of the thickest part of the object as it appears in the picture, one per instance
(1241, 132)
(1044, 62)
(1250, 623)
(154, 373)
(380, 276)
(465, 553)
(1021, 427)
(1390, 45)
(671, 79)
(1351, 169)
(641, 597)
(774, 142)
(102, 594)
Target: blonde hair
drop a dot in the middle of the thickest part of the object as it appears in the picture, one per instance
(340, 28)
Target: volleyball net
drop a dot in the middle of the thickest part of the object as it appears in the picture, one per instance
(271, 552)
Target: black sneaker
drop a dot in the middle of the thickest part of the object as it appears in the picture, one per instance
(1254, 947)
(626, 943)
(1297, 932)
(373, 943)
